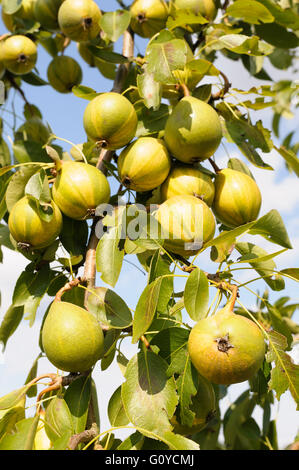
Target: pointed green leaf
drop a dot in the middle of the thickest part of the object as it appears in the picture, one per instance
(17, 184)
(178, 442)
(187, 387)
(184, 17)
(58, 420)
(290, 157)
(285, 374)
(160, 266)
(148, 395)
(259, 259)
(271, 227)
(250, 11)
(292, 273)
(196, 295)
(10, 323)
(146, 308)
(109, 308)
(114, 23)
(109, 256)
(23, 437)
(150, 90)
(172, 343)
(13, 398)
(116, 411)
(77, 398)
(84, 92)
(9, 417)
(32, 391)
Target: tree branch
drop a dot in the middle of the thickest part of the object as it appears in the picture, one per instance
(221, 93)
(105, 156)
(84, 436)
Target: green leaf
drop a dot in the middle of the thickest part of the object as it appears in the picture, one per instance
(172, 343)
(150, 90)
(160, 266)
(74, 236)
(32, 391)
(241, 44)
(278, 324)
(250, 11)
(183, 18)
(4, 154)
(238, 165)
(277, 35)
(109, 308)
(285, 374)
(38, 187)
(272, 228)
(11, 6)
(116, 412)
(114, 23)
(77, 398)
(151, 122)
(108, 56)
(109, 256)
(17, 184)
(203, 92)
(58, 420)
(146, 308)
(196, 295)
(148, 395)
(247, 137)
(26, 151)
(178, 442)
(230, 236)
(13, 398)
(34, 79)
(286, 17)
(187, 384)
(281, 58)
(290, 157)
(84, 92)
(30, 289)
(10, 323)
(133, 442)
(259, 259)
(291, 272)
(9, 417)
(237, 414)
(23, 437)
(201, 67)
(165, 57)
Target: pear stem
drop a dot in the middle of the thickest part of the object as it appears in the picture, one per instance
(185, 89)
(68, 286)
(214, 165)
(232, 301)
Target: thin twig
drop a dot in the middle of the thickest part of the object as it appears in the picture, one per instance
(221, 93)
(214, 165)
(68, 286)
(19, 89)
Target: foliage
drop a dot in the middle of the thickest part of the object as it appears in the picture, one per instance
(159, 380)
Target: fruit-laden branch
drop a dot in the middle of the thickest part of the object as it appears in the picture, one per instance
(105, 156)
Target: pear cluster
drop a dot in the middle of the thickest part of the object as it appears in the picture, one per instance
(190, 199)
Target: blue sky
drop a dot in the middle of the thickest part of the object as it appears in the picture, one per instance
(279, 190)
